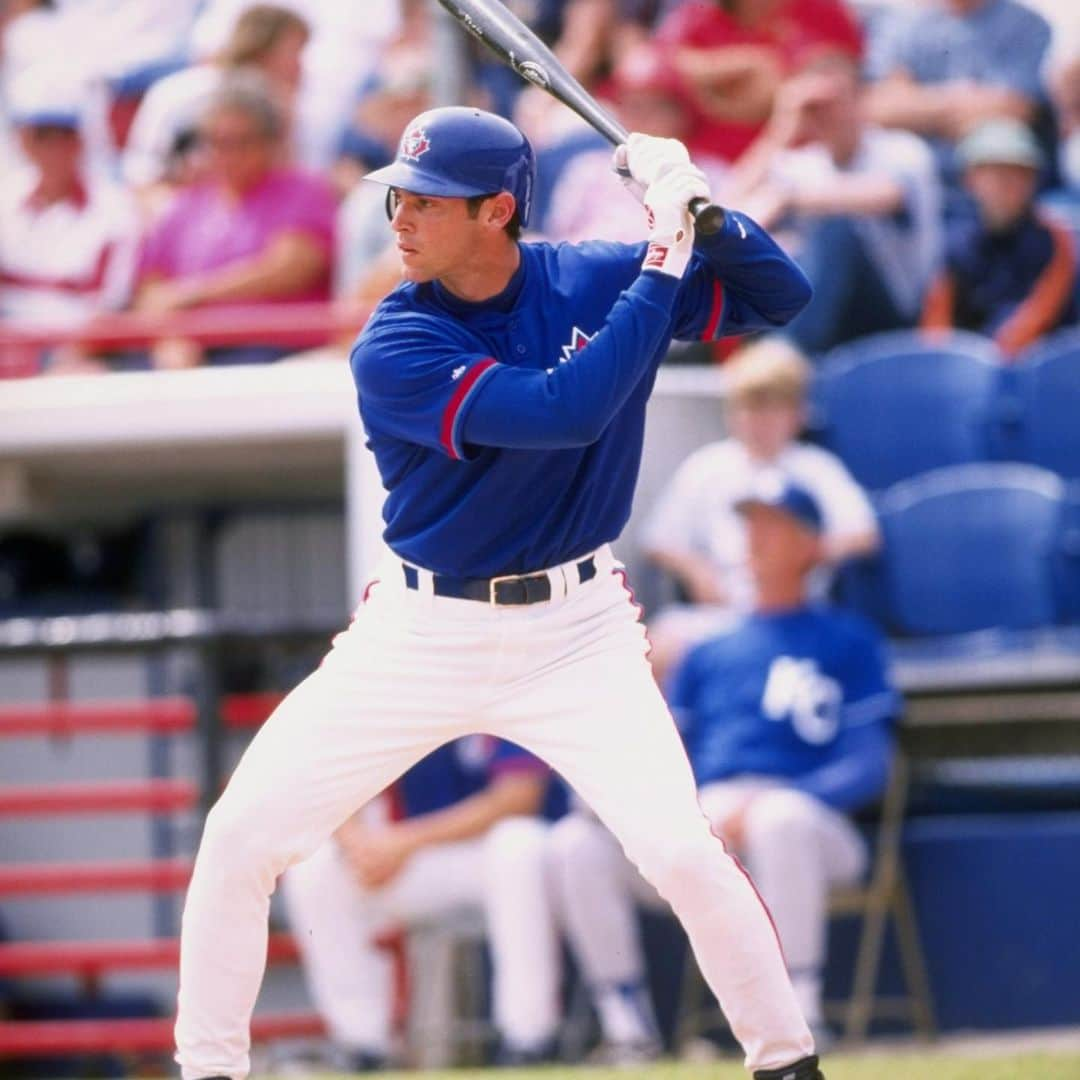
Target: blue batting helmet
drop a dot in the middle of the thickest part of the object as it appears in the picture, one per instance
(461, 151)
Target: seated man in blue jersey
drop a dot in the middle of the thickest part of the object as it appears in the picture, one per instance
(467, 835)
(787, 721)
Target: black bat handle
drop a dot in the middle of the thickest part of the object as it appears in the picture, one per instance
(708, 217)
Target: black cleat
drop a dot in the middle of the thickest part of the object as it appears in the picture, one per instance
(516, 1058)
(361, 1061)
(804, 1069)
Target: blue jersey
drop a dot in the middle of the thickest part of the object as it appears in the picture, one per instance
(508, 433)
(460, 769)
(802, 695)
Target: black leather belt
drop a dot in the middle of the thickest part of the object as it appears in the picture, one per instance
(508, 589)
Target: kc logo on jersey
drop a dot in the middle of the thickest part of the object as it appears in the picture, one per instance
(414, 144)
(797, 690)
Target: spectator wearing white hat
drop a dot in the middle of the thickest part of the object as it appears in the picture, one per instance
(67, 240)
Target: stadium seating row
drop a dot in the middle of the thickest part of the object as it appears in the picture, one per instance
(973, 547)
(895, 405)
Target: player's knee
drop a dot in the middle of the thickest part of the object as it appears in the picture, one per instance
(574, 843)
(237, 839)
(785, 814)
(517, 841)
(686, 869)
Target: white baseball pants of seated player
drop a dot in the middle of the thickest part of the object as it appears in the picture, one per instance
(796, 848)
(335, 921)
(568, 679)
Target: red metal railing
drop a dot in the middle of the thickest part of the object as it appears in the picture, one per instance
(112, 797)
(92, 958)
(287, 325)
(141, 875)
(90, 961)
(158, 715)
(46, 1038)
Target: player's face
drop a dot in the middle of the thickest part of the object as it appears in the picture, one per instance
(435, 235)
(781, 549)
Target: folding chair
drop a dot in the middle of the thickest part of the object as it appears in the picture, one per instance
(884, 894)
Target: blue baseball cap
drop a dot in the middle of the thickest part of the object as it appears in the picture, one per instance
(57, 118)
(780, 493)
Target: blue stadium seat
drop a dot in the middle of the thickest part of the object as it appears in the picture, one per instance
(897, 404)
(1044, 388)
(1069, 570)
(972, 547)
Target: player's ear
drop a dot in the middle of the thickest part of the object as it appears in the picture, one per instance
(500, 209)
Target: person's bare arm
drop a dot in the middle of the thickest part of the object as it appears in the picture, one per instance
(377, 855)
(586, 36)
(854, 545)
(736, 82)
(695, 573)
(512, 793)
(949, 110)
(939, 303)
(872, 195)
(291, 262)
(751, 183)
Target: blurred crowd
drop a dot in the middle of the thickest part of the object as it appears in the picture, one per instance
(922, 160)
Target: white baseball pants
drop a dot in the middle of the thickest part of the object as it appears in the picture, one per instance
(795, 847)
(502, 873)
(567, 679)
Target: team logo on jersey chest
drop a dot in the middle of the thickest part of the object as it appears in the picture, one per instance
(414, 144)
(578, 340)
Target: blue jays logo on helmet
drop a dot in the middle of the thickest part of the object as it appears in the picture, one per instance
(414, 144)
(460, 151)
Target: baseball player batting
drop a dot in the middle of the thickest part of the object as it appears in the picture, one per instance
(503, 388)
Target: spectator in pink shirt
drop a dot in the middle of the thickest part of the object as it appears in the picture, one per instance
(254, 231)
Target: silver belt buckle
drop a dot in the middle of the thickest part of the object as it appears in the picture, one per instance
(493, 584)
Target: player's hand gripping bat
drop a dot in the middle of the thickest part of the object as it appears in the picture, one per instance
(513, 42)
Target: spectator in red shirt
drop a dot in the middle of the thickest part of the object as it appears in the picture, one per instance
(733, 54)
(253, 232)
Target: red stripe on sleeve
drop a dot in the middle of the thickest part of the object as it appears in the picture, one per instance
(466, 383)
(709, 333)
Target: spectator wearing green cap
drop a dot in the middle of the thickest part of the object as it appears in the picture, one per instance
(1010, 272)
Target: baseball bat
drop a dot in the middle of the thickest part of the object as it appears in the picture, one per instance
(513, 42)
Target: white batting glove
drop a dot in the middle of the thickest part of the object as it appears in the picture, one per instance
(671, 227)
(648, 157)
(622, 170)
